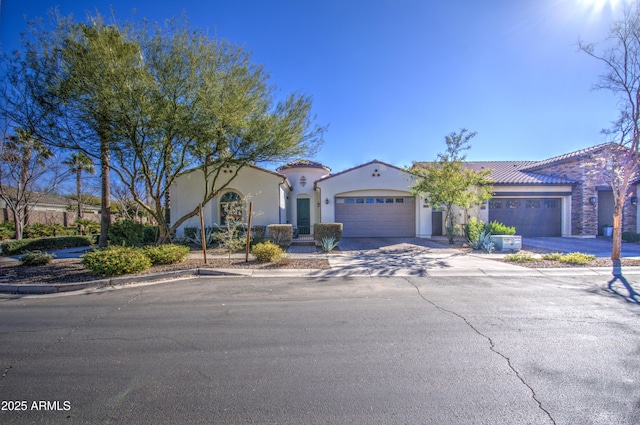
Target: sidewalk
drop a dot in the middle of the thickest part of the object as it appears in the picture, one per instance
(369, 263)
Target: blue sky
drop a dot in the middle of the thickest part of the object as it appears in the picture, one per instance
(391, 78)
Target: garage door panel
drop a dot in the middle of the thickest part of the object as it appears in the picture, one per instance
(376, 217)
(530, 216)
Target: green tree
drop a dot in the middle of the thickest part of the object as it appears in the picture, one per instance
(447, 182)
(79, 163)
(203, 105)
(150, 101)
(23, 173)
(620, 55)
(99, 67)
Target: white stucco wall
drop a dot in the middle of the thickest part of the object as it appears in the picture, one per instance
(374, 178)
(267, 190)
(302, 182)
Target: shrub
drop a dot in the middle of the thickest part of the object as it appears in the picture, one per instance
(631, 237)
(16, 247)
(519, 257)
(126, 233)
(193, 236)
(571, 258)
(328, 244)
(150, 234)
(280, 234)
(322, 231)
(473, 229)
(36, 230)
(258, 234)
(190, 232)
(483, 241)
(496, 228)
(36, 258)
(7, 230)
(167, 254)
(554, 256)
(577, 258)
(116, 260)
(89, 227)
(267, 252)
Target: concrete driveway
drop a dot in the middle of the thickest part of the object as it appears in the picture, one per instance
(409, 257)
(600, 247)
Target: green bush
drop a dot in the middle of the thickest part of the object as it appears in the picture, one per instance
(126, 233)
(7, 230)
(473, 229)
(36, 258)
(322, 231)
(16, 247)
(267, 252)
(150, 234)
(116, 260)
(571, 258)
(190, 232)
(258, 234)
(280, 234)
(519, 257)
(89, 227)
(167, 254)
(631, 237)
(37, 230)
(577, 258)
(496, 228)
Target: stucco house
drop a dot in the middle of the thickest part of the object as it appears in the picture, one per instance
(566, 195)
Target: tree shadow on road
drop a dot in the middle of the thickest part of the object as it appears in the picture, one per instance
(632, 295)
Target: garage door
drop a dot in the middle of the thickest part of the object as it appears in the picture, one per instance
(530, 216)
(376, 216)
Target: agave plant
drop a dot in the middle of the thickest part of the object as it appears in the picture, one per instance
(197, 237)
(328, 244)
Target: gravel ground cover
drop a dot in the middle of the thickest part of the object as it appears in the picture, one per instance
(71, 270)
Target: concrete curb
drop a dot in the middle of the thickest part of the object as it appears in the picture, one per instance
(114, 281)
(307, 273)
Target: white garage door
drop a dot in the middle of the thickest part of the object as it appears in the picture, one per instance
(376, 216)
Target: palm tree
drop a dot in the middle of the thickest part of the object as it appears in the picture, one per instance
(79, 163)
(23, 158)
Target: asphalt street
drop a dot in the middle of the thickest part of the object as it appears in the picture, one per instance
(409, 350)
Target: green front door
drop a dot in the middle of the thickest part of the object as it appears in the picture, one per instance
(304, 216)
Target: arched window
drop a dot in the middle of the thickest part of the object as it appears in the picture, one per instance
(230, 203)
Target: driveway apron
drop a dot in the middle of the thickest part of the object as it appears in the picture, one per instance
(407, 257)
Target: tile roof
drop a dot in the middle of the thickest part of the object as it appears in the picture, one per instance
(516, 172)
(303, 163)
(570, 156)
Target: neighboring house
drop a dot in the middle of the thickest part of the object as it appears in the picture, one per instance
(49, 209)
(563, 196)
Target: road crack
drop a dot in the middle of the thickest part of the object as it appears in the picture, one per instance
(492, 347)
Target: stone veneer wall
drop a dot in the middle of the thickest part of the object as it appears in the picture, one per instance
(589, 170)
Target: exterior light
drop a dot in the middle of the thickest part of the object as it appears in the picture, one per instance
(593, 200)
(326, 201)
(634, 200)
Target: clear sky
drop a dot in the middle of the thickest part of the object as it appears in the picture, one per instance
(391, 78)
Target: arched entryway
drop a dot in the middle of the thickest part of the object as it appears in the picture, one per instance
(303, 214)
